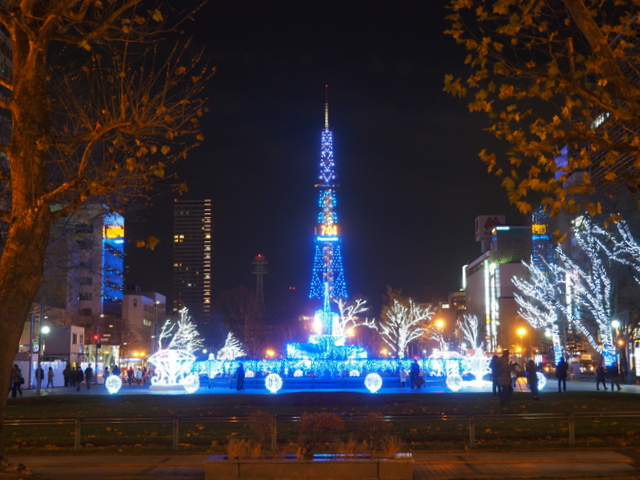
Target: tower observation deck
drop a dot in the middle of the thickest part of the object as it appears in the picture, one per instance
(327, 280)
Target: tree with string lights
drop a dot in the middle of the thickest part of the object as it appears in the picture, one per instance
(348, 316)
(181, 334)
(469, 327)
(232, 349)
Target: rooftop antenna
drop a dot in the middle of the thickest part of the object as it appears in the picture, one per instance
(326, 107)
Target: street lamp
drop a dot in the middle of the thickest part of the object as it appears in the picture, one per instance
(521, 332)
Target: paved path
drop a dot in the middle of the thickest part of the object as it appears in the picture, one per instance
(568, 464)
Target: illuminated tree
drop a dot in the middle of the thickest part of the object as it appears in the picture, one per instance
(99, 108)
(552, 76)
(245, 318)
(539, 301)
(232, 349)
(469, 328)
(349, 318)
(402, 322)
(181, 334)
(621, 248)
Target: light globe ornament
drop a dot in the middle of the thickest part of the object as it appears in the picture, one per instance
(191, 383)
(273, 382)
(113, 384)
(454, 382)
(542, 381)
(373, 382)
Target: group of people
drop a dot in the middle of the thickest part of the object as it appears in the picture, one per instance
(505, 374)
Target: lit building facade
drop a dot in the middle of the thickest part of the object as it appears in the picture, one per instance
(327, 281)
(144, 313)
(192, 253)
(489, 289)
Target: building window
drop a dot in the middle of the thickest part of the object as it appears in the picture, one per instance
(85, 296)
(74, 339)
(135, 302)
(85, 312)
(86, 281)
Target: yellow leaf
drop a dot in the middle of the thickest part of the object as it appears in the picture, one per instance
(166, 149)
(157, 15)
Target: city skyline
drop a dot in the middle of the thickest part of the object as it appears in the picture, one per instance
(411, 181)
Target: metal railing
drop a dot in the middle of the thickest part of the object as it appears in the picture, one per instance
(177, 421)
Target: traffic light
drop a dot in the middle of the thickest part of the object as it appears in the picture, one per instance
(96, 337)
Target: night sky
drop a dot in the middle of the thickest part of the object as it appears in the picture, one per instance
(411, 183)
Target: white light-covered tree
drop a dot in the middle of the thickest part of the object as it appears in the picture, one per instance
(539, 302)
(588, 284)
(402, 321)
(435, 333)
(180, 335)
(469, 328)
(622, 248)
(349, 318)
(232, 349)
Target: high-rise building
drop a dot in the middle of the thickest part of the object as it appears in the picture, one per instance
(192, 252)
(327, 281)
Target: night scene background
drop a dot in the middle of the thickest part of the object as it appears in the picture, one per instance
(411, 183)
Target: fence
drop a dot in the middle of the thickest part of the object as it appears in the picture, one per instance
(177, 421)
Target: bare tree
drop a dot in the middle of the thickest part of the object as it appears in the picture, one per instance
(349, 317)
(99, 109)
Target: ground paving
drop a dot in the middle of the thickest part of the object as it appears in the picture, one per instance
(568, 464)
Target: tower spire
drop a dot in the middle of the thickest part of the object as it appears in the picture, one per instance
(326, 107)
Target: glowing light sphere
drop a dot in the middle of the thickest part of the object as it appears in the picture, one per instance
(373, 382)
(113, 384)
(273, 382)
(354, 373)
(542, 381)
(250, 374)
(298, 373)
(454, 382)
(191, 383)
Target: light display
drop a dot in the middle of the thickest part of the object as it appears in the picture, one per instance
(232, 348)
(180, 335)
(113, 384)
(172, 367)
(469, 328)
(403, 323)
(191, 382)
(373, 382)
(328, 268)
(273, 382)
(454, 382)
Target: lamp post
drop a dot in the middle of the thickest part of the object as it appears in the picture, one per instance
(616, 325)
(44, 330)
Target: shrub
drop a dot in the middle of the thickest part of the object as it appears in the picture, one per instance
(315, 429)
(374, 429)
(262, 425)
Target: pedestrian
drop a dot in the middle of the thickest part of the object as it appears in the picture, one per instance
(601, 377)
(39, 377)
(66, 373)
(532, 379)
(561, 375)
(240, 375)
(145, 374)
(130, 375)
(50, 376)
(79, 378)
(515, 373)
(88, 376)
(414, 374)
(403, 377)
(16, 381)
(494, 365)
(506, 385)
(139, 376)
(614, 376)
(116, 370)
(106, 373)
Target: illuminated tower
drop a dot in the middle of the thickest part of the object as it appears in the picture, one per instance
(328, 273)
(260, 270)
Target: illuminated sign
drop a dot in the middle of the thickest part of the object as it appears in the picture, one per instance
(327, 239)
(114, 231)
(539, 229)
(328, 230)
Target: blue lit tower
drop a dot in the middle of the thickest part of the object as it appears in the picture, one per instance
(327, 281)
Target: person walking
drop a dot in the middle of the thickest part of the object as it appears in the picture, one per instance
(240, 375)
(614, 376)
(403, 377)
(494, 365)
(532, 379)
(601, 377)
(16, 381)
(66, 373)
(88, 376)
(561, 375)
(50, 376)
(505, 379)
(106, 373)
(79, 377)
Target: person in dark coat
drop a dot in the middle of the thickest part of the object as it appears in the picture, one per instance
(561, 374)
(532, 379)
(88, 376)
(240, 375)
(494, 365)
(66, 373)
(414, 373)
(79, 378)
(601, 377)
(506, 386)
(614, 376)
